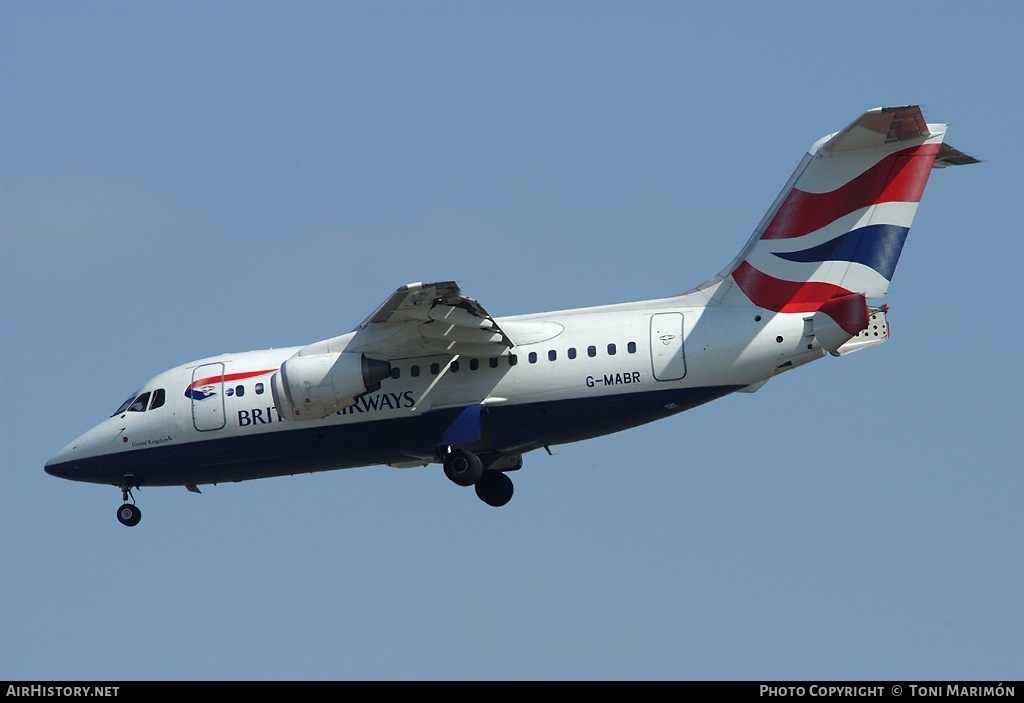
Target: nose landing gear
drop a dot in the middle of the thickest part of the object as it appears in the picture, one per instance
(128, 514)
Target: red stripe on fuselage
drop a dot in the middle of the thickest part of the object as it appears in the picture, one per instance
(228, 377)
(783, 296)
(899, 177)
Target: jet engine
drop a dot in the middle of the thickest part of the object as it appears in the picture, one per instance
(312, 386)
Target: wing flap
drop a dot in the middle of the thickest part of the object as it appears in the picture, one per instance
(430, 318)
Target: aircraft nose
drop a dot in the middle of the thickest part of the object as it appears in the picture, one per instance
(60, 463)
(64, 464)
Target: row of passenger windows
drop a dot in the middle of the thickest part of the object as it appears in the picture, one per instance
(493, 362)
(152, 400)
(591, 352)
(240, 390)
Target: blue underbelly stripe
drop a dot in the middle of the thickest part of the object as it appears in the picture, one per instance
(513, 429)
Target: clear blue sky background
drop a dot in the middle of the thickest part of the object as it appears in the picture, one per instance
(189, 178)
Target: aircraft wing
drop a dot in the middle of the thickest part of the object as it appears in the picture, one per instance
(429, 318)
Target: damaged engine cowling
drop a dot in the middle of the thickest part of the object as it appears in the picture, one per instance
(312, 386)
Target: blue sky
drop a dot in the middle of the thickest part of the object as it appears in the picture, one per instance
(184, 179)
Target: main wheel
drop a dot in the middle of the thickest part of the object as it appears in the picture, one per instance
(129, 515)
(463, 467)
(494, 488)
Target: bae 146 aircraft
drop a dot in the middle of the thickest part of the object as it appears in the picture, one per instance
(430, 377)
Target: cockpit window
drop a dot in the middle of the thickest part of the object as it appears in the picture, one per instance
(139, 406)
(137, 402)
(125, 404)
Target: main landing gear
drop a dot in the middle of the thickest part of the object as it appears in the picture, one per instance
(128, 514)
(494, 488)
(464, 468)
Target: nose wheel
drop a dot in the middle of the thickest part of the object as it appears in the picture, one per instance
(128, 514)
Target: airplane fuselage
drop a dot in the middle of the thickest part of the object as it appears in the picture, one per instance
(591, 371)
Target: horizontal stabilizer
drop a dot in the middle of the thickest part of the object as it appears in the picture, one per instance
(948, 156)
(878, 127)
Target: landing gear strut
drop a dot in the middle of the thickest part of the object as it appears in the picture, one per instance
(128, 514)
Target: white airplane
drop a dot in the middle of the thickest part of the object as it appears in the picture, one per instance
(431, 377)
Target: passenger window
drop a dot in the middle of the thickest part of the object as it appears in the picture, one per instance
(239, 391)
(259, 389)
(611, 350)
(631, 347)
(513, 359)
(455, 367)
(591, 351)
(414, 371)
(474, 364)
(493, 362)
(395, 372)
(158, 399)
(572, 352)
(435, 369)
(533, 357)
(552, 355)
(139, 406)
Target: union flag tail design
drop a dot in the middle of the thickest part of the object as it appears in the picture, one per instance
(839, 225)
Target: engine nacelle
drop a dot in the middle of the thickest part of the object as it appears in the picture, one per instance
(839, 320)
(311, 387)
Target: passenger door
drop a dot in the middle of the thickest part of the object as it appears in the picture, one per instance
(207, 393)
(667, 360)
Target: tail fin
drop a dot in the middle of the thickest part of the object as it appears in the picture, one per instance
(839, 225)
